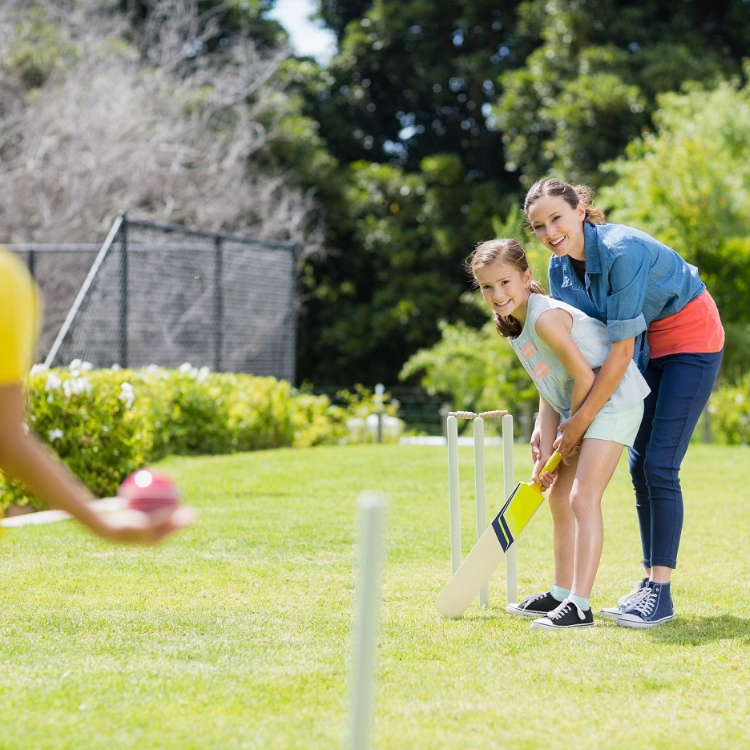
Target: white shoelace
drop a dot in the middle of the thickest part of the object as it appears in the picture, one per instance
(531, 599)
(646, 603)
(635, 598)
(637, 591)
(563, 610)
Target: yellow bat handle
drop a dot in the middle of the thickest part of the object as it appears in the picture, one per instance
(551, 464)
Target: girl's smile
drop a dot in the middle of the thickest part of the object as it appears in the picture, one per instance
(505, 289)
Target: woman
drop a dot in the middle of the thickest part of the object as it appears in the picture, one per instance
(658, 312)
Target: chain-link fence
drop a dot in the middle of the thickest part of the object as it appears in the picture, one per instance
(163, 294)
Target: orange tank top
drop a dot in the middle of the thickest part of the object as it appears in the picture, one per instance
(695, 329)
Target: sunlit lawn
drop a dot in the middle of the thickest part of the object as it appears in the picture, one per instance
(238, 632)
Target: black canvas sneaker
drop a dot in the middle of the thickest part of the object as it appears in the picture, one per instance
(567, 615)
(535, 605)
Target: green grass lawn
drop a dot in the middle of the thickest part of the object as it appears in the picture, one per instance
(238, 634)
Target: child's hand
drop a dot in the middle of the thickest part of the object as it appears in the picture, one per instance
(548, 477)
(134, 526)
(536, 446)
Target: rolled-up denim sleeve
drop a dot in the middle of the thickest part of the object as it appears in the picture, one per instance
(628, 282)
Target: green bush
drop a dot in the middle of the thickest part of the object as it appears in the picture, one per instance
(93, 420)
(475, 370)
(729, 413)
(104, 424)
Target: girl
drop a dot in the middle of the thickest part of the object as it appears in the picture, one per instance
(558, 346)
(24, 458)
(658, 313)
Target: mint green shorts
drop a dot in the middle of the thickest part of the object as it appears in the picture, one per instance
(617, 426)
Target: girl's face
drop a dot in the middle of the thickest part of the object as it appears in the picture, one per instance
(505, 289)
(558, 226)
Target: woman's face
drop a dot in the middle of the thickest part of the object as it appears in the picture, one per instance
(558, 226)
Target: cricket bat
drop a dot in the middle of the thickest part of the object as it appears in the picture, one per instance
(480, 563)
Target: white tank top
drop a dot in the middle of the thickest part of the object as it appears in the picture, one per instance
(552, 380)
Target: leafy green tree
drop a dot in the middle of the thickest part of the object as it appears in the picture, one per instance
(509, 90)
(414, 78)
(379, 300)
(688, 183)
(590, 84)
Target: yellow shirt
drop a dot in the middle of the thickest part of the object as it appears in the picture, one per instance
(20, 318)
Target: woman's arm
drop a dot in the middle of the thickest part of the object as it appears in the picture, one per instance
(547, 423)
(611, 373)
(31, 463)
(554, 327)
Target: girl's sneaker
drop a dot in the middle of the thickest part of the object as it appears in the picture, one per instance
(654, 608)
(567, 615)
(625, 602)
(536, 605)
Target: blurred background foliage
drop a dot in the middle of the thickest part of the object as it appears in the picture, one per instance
(391, 160)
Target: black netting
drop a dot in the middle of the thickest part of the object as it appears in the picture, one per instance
(168, 295)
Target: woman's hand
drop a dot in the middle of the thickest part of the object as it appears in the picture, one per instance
(136, 527)
(570, 433)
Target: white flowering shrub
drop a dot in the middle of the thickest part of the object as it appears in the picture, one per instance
(105, 424)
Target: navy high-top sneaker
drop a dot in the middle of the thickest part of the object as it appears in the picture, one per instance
(654, 608)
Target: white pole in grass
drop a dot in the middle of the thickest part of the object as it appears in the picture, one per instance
(509, 484)
(372, 523)
(453, 493)
(479, 491)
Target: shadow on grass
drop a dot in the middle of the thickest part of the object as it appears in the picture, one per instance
(694, 631)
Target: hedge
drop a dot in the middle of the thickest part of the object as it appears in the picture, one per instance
(104, 424)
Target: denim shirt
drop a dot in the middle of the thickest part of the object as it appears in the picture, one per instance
(631, 281)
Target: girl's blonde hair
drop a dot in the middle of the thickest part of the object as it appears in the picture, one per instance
(571, 194)
(506, 251)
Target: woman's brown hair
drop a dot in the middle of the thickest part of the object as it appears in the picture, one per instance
(571, 194)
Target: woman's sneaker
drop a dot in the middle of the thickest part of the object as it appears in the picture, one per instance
(625, 602)
(536, 605)
(654, 608)
(567, 615)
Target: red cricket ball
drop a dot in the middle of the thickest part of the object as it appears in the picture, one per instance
(149, 491)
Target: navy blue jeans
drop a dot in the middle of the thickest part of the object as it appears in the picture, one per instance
(680, 386)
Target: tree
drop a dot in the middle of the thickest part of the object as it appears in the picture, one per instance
(688, 184)
(88, 129)
(503, 93)
(413, 79)
(590, 85)
(380, 299)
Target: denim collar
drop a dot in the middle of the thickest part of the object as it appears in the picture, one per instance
(592, 249)
(593, 258)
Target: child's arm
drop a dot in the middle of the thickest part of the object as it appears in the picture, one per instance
(553, 327)
(547, 423)
(28, 461)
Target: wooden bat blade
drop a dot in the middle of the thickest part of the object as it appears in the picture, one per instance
(487, 553)
(471, 575)
(516, 513)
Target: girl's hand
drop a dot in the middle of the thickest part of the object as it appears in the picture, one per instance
(548, 477)
(536, 445)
